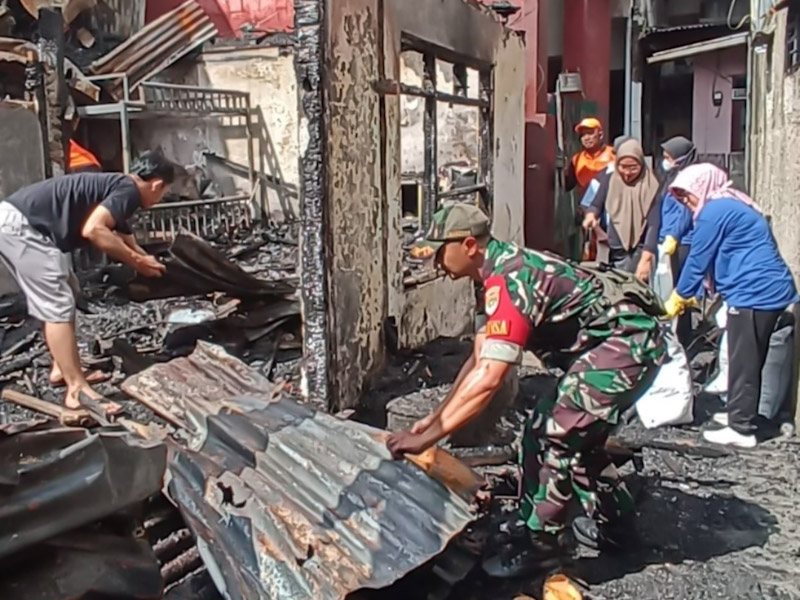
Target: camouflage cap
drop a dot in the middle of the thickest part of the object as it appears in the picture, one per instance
(450, 224)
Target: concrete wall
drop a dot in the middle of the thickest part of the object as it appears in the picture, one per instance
(775, 143)
(267, 73)
(364, 167)
(711, 125)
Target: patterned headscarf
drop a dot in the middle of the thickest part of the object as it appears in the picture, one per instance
(707, 182)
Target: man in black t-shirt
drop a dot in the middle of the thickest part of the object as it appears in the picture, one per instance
(42, 223)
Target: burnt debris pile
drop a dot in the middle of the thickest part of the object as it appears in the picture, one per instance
(237, 293)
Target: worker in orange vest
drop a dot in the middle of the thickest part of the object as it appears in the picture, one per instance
(587, 164)
(80, 159)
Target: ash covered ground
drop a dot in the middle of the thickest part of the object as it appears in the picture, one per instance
(143, 333)
(708, 528)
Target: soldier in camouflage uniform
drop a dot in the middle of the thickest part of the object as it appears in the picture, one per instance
(612, 348)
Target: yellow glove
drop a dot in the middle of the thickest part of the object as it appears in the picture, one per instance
(669, 245)
(675, 306)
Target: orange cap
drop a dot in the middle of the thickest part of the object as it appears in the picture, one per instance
(588, 123)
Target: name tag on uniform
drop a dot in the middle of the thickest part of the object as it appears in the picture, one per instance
(498, 328)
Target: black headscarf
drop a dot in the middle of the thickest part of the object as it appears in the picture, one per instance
(684, 152)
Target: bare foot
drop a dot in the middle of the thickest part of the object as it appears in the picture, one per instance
(92, 377)
(87, 398)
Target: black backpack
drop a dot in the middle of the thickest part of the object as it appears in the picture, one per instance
(621, 286)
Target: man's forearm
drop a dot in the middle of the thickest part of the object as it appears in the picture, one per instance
(472, 397)
(110, 243)
(130, 242)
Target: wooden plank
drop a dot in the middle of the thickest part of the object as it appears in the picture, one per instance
(65, 415)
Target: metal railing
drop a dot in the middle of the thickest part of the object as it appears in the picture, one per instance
(163, 97)
(204, 218)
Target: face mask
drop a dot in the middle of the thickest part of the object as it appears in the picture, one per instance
(667, 165)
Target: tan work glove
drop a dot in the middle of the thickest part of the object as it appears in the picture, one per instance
(677, 305)
(669, 246)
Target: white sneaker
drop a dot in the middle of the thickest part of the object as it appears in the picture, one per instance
(729, 437)
(720, 418)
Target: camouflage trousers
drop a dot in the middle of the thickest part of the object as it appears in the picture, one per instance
(563, 449)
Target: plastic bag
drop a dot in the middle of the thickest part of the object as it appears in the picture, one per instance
(669, 400)
(778, 371)
(662, 280)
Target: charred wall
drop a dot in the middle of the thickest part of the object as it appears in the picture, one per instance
(357, 204)
(364, 158)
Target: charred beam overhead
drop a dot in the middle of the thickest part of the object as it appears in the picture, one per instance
(456, 99)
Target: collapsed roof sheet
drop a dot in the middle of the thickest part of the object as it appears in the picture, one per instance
(287, 502)
(54, 479)
(157, 46)
(197, 268)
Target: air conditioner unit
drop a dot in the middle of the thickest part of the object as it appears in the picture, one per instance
(739, 94)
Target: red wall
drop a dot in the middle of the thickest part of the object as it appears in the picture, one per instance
(230, 15)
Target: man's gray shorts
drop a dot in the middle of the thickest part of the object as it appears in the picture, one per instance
(41, 270)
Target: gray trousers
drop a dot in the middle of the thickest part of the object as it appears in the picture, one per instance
(40, 269)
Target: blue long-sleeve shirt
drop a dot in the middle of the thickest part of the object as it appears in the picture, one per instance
(736, 244)
(676, 221)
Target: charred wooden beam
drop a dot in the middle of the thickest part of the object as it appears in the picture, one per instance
(431, 187)
(315, 260)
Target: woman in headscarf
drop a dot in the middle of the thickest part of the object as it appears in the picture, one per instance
(732, 241)
(672, 219)
(626, 198)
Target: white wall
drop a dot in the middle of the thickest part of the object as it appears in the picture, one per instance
(267, 73)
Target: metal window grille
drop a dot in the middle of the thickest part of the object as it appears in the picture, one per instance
(481, 191)
(793, 37)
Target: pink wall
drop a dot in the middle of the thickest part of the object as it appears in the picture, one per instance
(711, 125)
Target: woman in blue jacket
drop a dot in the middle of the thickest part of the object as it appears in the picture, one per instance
(733, 242)
(672, 220)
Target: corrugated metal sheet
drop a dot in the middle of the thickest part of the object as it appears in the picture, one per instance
(157, 46)
(688, 50)
(287, 502)
(230, 15)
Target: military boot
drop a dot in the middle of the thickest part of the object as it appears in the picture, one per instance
(536, 552)
(614, 536)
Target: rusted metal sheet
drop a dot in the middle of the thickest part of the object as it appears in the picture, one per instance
(231, 15)
(287, 502)
(157, 46)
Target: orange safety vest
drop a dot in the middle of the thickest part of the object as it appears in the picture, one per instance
(587, 166)
(80, 157)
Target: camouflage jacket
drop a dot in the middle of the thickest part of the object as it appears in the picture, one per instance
(544, 303)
